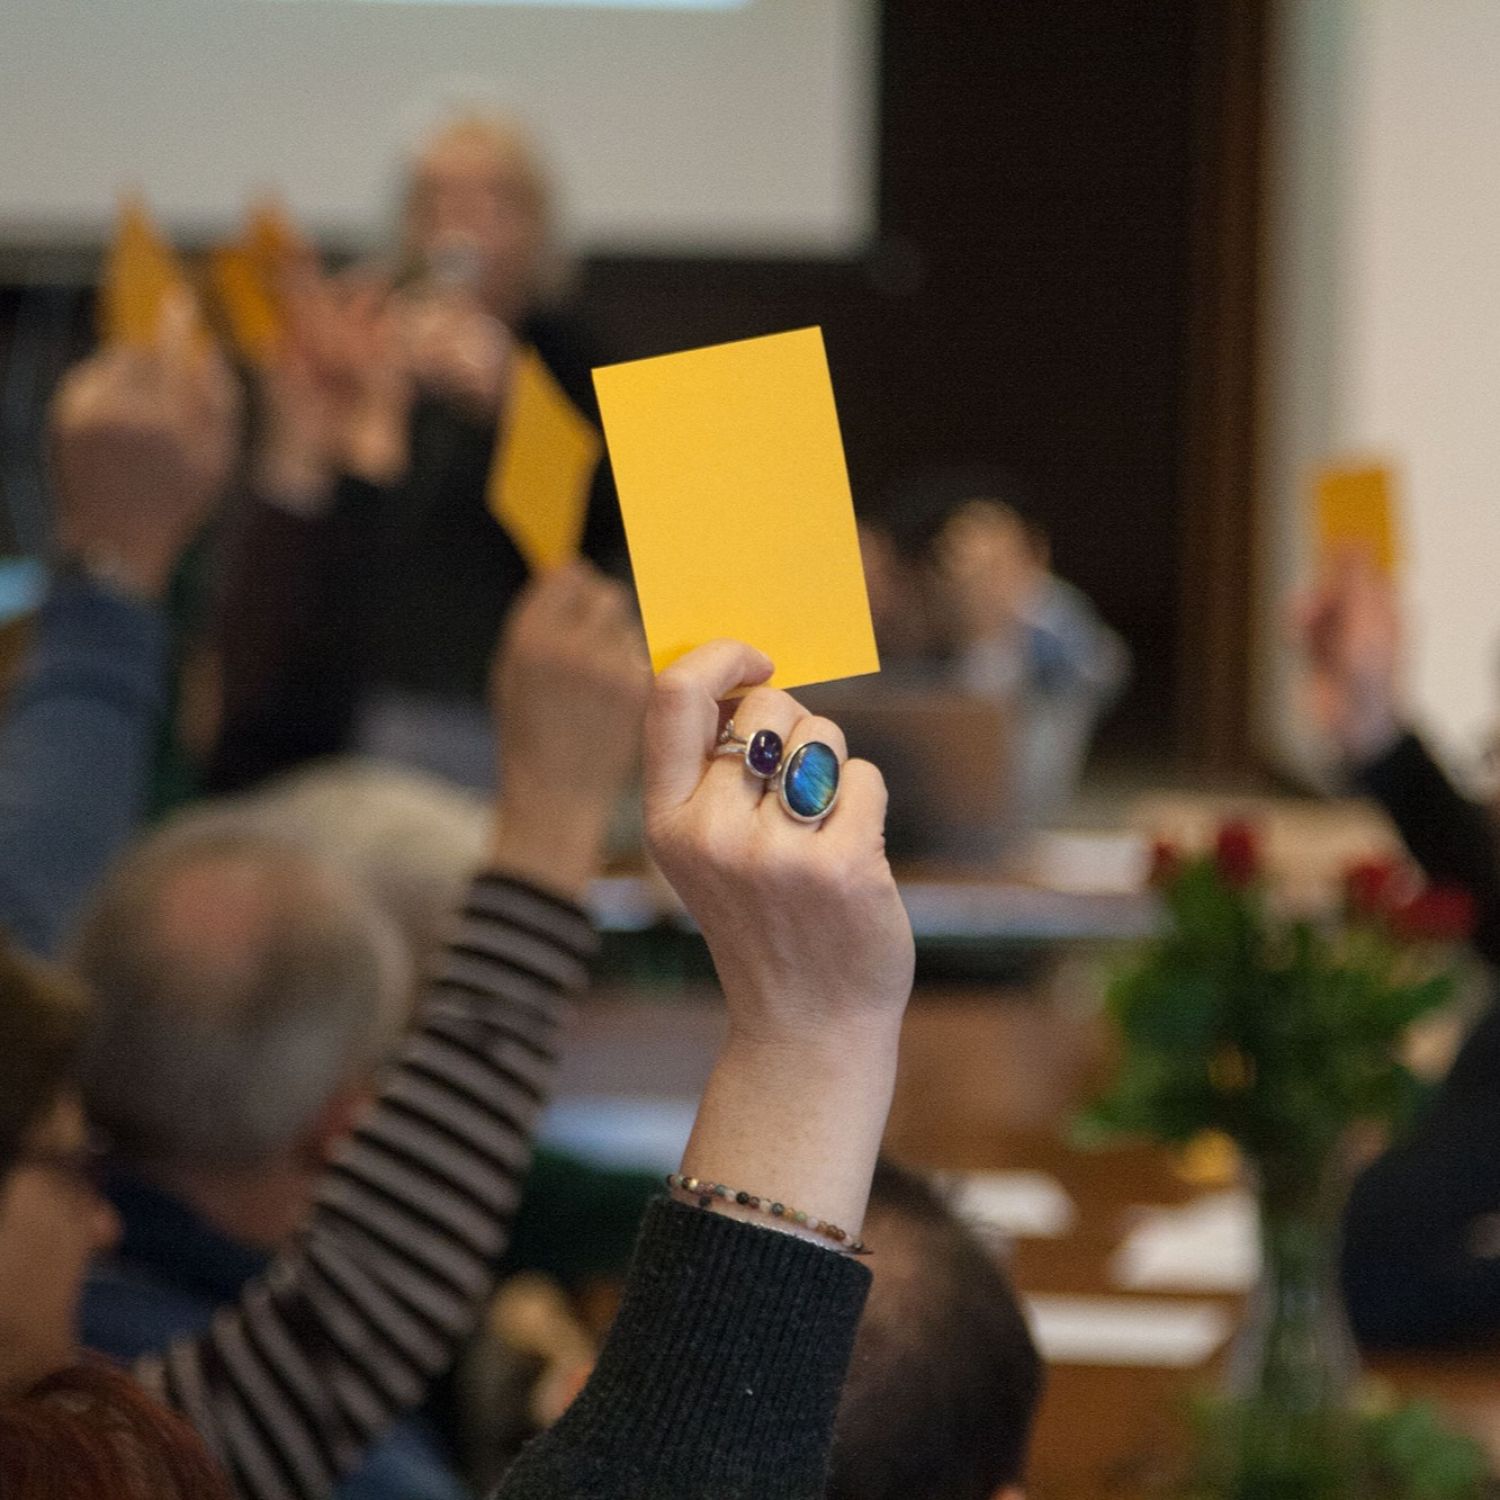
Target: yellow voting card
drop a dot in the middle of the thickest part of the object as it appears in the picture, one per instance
(539, 485)
(250, 306)
(140, 272)
(247, 279)
(736, 501)
(1355, 512)
(271, 238)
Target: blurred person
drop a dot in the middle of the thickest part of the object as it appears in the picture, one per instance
(965, 597)
(722, 1372)
(66, 1429)
(411, 838)
(249, 990)
(366, 579)
(450, 1134)
(1349, 632)
(1420, 1231)
(945, 1380)
(141, 446)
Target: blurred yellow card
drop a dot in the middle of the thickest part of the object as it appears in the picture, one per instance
(736, 501)
(271, 237)
(140, 271)
(539, 485)
(251, 309)
(246, 279)
(1355, 511)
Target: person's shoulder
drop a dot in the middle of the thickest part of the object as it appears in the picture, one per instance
(129, 1310)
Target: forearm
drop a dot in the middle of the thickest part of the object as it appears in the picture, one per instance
(798, 1124)
(76, 748)
(721, 1375)
(399, 1254)
(1452, 838)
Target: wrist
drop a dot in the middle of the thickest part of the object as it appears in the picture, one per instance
(375, 447)
(558, 849)
(800, 1125)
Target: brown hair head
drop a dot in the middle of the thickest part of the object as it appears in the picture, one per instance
(91, 1433)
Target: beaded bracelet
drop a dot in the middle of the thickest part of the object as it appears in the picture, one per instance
(705, 1192)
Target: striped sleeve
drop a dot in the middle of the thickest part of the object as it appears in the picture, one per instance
(346, 1329)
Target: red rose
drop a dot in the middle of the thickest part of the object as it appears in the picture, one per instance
(1166, 862)
(1441, 913)
(1237, 854)
(1371, 886)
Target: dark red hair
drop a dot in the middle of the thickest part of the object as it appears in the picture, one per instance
(91, 1433)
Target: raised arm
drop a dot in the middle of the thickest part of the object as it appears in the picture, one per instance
(347, 1330)
(141, 446)
(1350, 632)
(295, 619)
(722, 1373)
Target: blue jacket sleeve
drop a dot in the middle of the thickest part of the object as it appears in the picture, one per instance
(76, 743)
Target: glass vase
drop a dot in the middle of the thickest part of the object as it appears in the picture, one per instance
(1289, 1427)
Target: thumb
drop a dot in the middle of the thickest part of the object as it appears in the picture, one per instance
(682, 721)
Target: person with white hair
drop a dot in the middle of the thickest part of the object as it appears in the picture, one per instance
(366, 577)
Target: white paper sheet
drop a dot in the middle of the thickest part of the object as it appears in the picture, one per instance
(1127, 1331)
(1013, 1205)
(1208, 1245)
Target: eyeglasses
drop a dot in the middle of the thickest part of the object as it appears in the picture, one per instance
(83, 1166)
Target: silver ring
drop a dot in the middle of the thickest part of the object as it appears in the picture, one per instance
(807, 785)
(761, 753)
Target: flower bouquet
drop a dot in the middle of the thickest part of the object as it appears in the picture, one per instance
(1282, 1032)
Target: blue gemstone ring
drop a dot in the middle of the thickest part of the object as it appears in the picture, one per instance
(808, 785)
(761, 752)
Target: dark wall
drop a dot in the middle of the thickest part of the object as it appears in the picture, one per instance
(1028, 300)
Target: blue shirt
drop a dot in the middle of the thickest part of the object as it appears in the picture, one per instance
(76, 745)
(171, 1271)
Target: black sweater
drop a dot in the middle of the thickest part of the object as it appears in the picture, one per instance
(404, 587)
(720, 1378)
(1420, 1264)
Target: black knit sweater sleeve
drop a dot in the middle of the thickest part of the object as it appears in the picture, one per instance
(1452, 838)
(721, 1376)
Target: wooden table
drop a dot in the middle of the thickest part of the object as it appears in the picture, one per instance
(988, 1080)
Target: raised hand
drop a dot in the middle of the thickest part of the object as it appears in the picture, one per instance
(336, 394)
(991, 570)
(1349, 631)
(569, 689)
(807, 932)
(458, 351)
(142, 441)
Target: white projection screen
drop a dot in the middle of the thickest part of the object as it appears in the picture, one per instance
(690, 126)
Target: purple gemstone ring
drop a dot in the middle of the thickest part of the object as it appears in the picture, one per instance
(761, 753)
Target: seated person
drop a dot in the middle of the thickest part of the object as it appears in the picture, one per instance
(964, 596)
(248, 991)
(945, 1379)
(722, 1372)
(1420, 1267)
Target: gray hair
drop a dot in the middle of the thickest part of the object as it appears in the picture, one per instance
(414, 840)
(241, 983)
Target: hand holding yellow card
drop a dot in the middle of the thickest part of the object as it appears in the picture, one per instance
(539, 485)
(1355, 512)
(248, 279)
(141, 272)
(737, 507)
